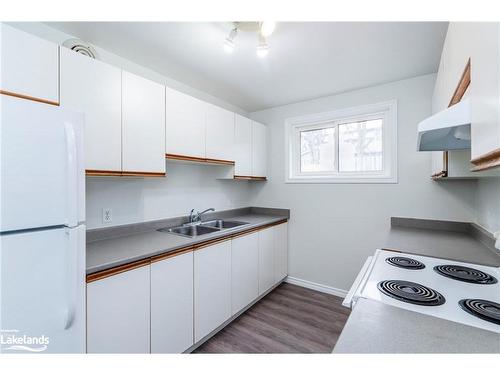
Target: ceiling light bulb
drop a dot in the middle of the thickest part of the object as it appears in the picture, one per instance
(262, 50)
(228, 46)
(267, 28)
(263, 47)
(229, 42)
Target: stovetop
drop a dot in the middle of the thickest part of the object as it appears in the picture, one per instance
(431, 286)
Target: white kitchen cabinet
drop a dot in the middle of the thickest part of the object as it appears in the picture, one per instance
(479, 42)
(172, 304)
(259, 150)
(185, 124)
(212, 288)
(94, 88)
(118, 313)
(30, 65)
(280, 252)
(219, 133)
(266, 259)
(245, 271)
(485, 90)
(242, 146)
(143, 125)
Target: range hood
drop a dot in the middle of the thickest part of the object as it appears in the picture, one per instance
(446, 130)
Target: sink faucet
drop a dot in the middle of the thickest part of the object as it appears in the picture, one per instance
(195, 218)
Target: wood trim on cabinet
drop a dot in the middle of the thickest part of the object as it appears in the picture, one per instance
(143, 174)
(212, 242)
(117, 270)
(458, 94)
(198, 159)
(486, 161)
(27, 97)
(103, 173)
(463, 84)
(171, 254)
(252, 178)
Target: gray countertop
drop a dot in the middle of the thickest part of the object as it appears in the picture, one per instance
(374, 327)
(106, 253)
(455, 245)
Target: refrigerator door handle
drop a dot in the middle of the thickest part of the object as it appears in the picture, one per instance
(72, 175)
(72, 277)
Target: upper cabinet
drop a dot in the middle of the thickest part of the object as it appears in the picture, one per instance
(478, 43)
(242, 146)
(94, 88)
(124, 116)
(259, 149)
(30, 66)
(185, 125)
(219, 133)
(143, 125)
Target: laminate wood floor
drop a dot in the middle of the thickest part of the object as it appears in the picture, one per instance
(290, 319)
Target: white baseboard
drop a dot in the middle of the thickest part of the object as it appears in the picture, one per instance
(316, 286)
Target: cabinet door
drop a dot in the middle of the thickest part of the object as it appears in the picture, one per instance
(143, 124)
(30, 65)
(266, 259)
(259, 149)
(212, 288)
(94, 88)
(485, 89)
(185, 124)
(172, 304)
(219, 133)
(118, 313)
(280, 252)
(242, 146)
(245, 271)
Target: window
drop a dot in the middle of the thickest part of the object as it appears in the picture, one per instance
(346, 146)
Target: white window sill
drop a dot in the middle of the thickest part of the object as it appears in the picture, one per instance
(342, 180)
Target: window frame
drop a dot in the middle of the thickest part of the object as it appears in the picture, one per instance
(293, 126)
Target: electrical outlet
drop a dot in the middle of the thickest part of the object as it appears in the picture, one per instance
(107, 215)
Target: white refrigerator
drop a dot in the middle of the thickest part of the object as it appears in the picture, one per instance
(42, 228)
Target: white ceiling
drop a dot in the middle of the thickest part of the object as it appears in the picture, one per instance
(306, 59)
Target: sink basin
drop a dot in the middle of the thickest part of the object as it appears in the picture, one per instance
(190, 230)
(222, 224)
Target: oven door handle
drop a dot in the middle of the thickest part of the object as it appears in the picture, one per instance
(349, 300)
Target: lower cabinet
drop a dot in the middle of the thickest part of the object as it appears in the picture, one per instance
(118, 313)
(266, 259)
(168, 304)
(172, 304)
(245, 271)
(212, 288)
(280, 252)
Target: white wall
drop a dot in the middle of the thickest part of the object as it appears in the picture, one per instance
(488, 204)
(142, 199)
(334, 227)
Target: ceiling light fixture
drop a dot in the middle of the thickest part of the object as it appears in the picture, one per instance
(229, 42)
(267, 28)
(263, 47)
(262, 29)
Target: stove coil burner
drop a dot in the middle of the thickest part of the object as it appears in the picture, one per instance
(403, 262)
(466, 274)
(486, 310)
(414, 293)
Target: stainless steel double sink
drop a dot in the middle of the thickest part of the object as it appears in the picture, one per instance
(202, 228)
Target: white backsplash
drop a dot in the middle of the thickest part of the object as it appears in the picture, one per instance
(143, 199)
